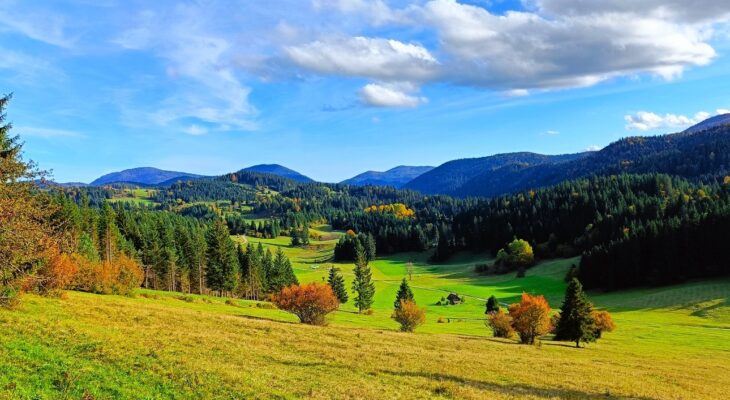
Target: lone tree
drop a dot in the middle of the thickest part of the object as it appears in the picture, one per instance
(518, 255)
(603, 323)
(409, 315)
(492, 305)
(311, 302)
(362, 285)
(576, 322)
(530, 317)
(404, 294)
(337, 283)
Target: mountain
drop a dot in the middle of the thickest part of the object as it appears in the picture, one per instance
(395, 177)
(143, 175)
(701, 152)
(718, 120)
(279, 170)
(449, 177)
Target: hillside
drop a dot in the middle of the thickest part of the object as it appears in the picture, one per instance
(166, 345)
(396, 177)
(279, 170)
(450, 177)
(690, 154)
(143, 175)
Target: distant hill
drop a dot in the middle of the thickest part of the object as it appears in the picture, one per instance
(449, 177)
(700, 152)
(143, 175)
(279, 170)
(396, 177)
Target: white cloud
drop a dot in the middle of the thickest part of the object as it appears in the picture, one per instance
(593, 147)
(373, 58)
(45, 133)
(36, 24)
(646, 121)
(721, 111)
(533, 50)
(199, 62)
(377, 12)
(378, 95)
(549, 45)
(195, 130)
(551, 133)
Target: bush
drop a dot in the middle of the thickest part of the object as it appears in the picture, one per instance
(56, 273)
(9, 297)
(311, 302)
(409, 316)
(118, 277)
(501, 324)
(530, 317)
(603, 322)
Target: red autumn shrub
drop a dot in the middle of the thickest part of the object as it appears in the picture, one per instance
(603, 322)
(311, 302)
(57, 271)
(118, 277)
(530, 317)
(409, 316)
(501, 324)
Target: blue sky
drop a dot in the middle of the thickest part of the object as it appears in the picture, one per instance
(334, 88)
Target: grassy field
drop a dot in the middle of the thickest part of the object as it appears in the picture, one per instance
(671, 343)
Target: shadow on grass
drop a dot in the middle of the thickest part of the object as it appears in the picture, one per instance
(512, 390)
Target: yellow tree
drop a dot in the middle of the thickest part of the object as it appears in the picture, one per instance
(24, 233)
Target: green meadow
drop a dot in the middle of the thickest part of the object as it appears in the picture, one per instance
(670, 343)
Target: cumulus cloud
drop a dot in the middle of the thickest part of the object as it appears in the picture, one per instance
(646, 121)
(549, 45)
(382, 59)
(593, 147)
(721, 111)
(378, 95)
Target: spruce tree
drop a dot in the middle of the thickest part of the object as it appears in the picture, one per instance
(404, 294)
(337, 283)
(576, 322)
(492, 305)
(362, 285)
(222, 271)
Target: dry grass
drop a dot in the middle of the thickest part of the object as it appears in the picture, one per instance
(109, 347)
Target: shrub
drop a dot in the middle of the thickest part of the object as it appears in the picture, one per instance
(501, 324)
(118, 277)
(9, 297)
(441, 320)
(311, 302)
(409, 316)
(56, 272)
(530, 317)
(492, 305)
(602, 322)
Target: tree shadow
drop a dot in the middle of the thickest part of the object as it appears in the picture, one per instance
(512, 390)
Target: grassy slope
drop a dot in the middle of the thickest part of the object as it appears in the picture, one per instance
(670, 343)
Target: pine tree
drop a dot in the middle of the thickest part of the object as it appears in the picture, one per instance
(337, 283)
(362, 285)
(404, 294)
(223, 265)
(370, 247)
(576, 322)
(492, 305)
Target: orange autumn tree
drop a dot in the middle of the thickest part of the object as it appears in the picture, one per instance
(530, 317)
(409, 315)
(602, 322)
(311, 302)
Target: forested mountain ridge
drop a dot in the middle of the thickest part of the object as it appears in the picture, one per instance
(279, 170)
(691, 154)
(396, 177)
(449, 177)
(142, 175)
